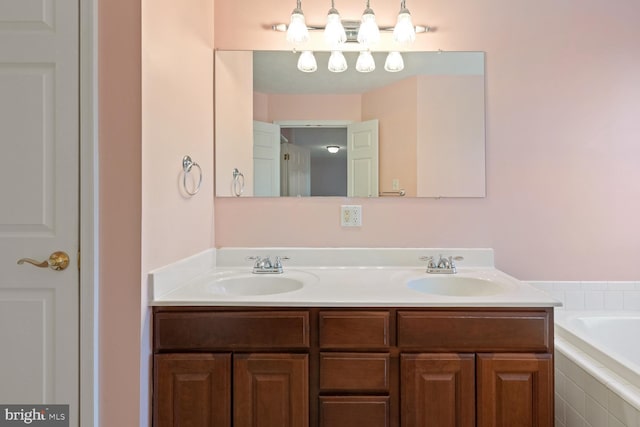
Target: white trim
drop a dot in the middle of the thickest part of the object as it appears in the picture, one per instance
(89, 209)
(313, 123)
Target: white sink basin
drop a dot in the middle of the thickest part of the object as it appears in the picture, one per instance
(458, 286)
(254, 284)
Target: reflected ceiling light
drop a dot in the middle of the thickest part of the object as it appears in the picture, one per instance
(337, 62)
(404, 31)
(368, 33)
(334, 33)
(297, 32)
(333, 149)
(307, 62)
(365, 62)
(394, 62)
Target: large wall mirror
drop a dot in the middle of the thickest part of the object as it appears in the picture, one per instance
(280, 132)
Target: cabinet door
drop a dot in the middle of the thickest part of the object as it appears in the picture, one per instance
(437, 390)
(270, 390)
(192, 390)
(515, 390)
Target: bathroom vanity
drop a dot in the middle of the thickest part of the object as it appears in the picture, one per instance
(379, 355)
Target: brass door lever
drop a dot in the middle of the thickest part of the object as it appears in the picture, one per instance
(57, 261)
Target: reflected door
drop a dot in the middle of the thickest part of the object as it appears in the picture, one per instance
(362, 159)
(296, 170)
(266, 159)
(39, 127)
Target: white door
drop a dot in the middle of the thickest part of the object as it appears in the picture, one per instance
(362, 159)
(39, 143)
(266, 159)
(296, 163)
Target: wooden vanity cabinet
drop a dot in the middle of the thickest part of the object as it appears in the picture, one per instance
(375, 367)
(225, 367)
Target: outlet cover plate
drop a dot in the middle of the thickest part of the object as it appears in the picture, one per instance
(351, 215)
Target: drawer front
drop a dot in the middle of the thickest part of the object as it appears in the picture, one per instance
(354, 372)
(471, 331)
(350, 411)
(251, 330)
(354, 329)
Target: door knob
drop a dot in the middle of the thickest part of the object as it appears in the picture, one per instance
(57, 261)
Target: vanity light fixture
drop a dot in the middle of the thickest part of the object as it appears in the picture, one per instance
(334, 33)
(368, 33)
(365, 62)
(394, 62)
(337, 32)
(337, 62)
(307, 62)
(333, 149)
(404, 31)
(297, 32)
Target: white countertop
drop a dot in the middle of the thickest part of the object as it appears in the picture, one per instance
(360, 277)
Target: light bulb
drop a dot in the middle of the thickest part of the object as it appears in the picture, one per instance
(368, 33)
(307, 62)
(297, 32)
(365, 62)
(404, 31)
(334, 33)
(337, 62)
(394, 62)
(333, 149)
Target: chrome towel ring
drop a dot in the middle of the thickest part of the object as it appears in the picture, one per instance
(187, 165)
(238, 182)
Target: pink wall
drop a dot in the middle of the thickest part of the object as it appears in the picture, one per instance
(395, 106)
(314, 107)
(120, 157)
(563, 182)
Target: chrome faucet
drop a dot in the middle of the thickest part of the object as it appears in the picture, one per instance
(264, 265)
(445, 265)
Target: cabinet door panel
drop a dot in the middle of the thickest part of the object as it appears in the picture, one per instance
(515, 390)
(354, 411)
(437, 390)
(192, 390)
(270, 390)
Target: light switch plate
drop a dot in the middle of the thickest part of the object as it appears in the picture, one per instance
(351, 215)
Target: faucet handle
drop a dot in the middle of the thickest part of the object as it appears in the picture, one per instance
(431, 262)
(455, 258)
(278, 262)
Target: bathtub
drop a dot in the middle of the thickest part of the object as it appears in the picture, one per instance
(597, 368)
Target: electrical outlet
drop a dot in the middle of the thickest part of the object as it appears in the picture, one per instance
(395, 184)
(351, 215)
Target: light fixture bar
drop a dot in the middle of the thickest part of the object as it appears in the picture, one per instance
(351, 29)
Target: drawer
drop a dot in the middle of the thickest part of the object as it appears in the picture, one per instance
(354, 329)
(475, 331)
(354, 372)
(245, 330)
(350, 411)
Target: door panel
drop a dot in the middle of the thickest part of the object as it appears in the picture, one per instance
(515, 390)
(266, 159)
(362, 159)
(437, 390)
(39, 134)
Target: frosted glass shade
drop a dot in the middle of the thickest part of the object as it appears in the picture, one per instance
(368, 33)
(337, 62)
(404, 31)
(394, 62)
(307, 62)
(334, 33)
(365, 62)
(297, 32)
